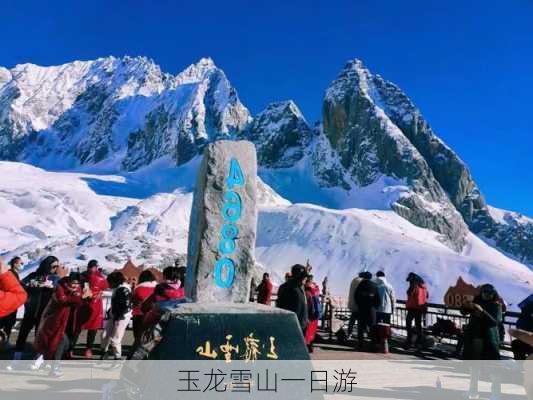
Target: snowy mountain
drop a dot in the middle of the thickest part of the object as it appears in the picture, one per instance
(386, 192)
(403, 120)
(375, 150)
(116, 113)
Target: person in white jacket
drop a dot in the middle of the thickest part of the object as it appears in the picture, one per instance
(386, 297)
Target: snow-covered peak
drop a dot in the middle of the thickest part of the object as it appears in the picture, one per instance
(277, 119)
(384, 94)
(280, 133)
(206, 62)
(198, 72)
(356, 84)
(281, 108)
(354, 75)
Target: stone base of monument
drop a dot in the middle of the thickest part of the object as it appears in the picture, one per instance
(196, 331)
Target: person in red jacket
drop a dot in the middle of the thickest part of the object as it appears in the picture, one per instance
(144, 289)
(51, 340)
(165, 297)
(8, 322)
(12, 294)
(91, 311)
(173, 276)
(416, 305)
(264, 290)
(312, 294)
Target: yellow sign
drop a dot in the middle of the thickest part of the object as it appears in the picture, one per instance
(252, 349)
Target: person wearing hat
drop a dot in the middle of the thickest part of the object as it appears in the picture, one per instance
(367, 300)
(291, 295)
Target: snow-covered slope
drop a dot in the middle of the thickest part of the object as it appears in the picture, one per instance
(112, 217)
(339, 244)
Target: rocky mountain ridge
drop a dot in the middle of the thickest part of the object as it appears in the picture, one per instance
(373, 150)
(120, 113)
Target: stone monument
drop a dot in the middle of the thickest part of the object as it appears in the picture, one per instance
(217, 322)
(223, 224)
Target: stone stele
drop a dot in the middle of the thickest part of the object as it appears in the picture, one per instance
(207, 221)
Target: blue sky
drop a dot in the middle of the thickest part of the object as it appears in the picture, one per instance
(467, 65)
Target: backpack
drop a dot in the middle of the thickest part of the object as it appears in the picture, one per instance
(367, 294)
(421, 296)
(417, 298)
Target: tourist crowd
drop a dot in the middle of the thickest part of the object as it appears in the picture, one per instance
(59, 305)
(372, 301)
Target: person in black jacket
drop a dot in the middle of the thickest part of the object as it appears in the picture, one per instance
(291, 295)
(40, 286)
(482, 335)
(368, 301)
(118, 316)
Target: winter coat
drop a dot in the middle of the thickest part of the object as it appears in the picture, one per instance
(55, 319)
(352, 305)
(142, 292)
(163, 292)
(312, 296)
(367, 296)
(121, 303)
(39, 289)
(177, 291)
(12, 294)
(417, 297)
(165, 297)
(482, 334)
(91, 311)
(291, 297)
(264, 292)
(387, 299)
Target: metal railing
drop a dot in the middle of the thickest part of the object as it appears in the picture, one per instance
(398, 318)
(435, 312)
